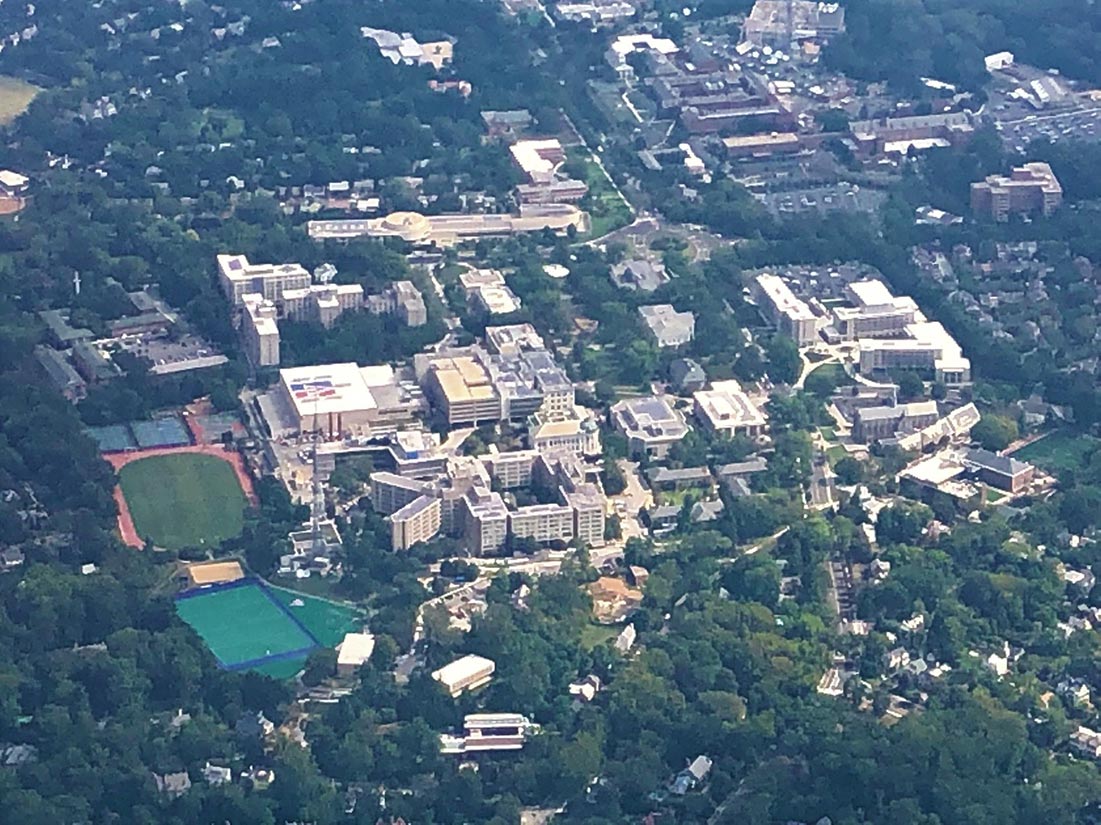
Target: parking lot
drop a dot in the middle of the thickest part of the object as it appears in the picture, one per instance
(1082, 123)
(842, 196)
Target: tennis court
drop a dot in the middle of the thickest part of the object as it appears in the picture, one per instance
(208, 429)
(161, 432)
(245, 627)
(113, 438)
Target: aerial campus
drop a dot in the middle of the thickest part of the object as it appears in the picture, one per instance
(533, 410)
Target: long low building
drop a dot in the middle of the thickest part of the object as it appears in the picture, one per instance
(927, 347)
(468, 673)
(416, 228)
(484, 732)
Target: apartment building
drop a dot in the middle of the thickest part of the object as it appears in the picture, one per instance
(486, 522)
(403, 299)
(589, 512)
(268, 292)
(1031, 189)
(511, 470)
(544, 523)
(321, 303)
(239, 277)
(791, 315)
(391, 492)
(417, 521)
(260, 332)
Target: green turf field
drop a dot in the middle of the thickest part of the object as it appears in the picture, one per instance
(326, 620)
(183, 500)
(1062, 450)
(242, 624)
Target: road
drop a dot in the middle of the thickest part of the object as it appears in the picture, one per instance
(823, 493)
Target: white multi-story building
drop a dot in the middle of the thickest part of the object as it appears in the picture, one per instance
(260, 331)
(403, 299)
(577, 433)
(238, 278)
(875, 313)
(543, 523)
(669, 327)
(726, 409)
(928, 347)
(268, 292)
(391, 492)
(486, 521)
(651, 425)
(792, 315)
(417, 521)
(511, 470)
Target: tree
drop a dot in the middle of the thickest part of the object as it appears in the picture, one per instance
(995, 432)
(784, 363)
(910, 385)
(849, 470)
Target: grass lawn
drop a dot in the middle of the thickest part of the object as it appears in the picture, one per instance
(1062, 450)
(594, 635)
(607, 210)
(828, 433)
(15, 96)
(183, 500)
(835, 454)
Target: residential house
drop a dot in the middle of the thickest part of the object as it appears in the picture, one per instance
(691, 777)
(173, 785)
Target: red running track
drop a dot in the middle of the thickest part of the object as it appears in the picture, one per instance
(119, 460)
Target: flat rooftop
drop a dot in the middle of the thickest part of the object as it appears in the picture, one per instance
(726, 405)
(334, 388)
(783, 298)
(463, 378)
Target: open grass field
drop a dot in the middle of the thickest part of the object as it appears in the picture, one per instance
(15, 96)
(183, 500)
(594, 635)
(1062, 450)
(607, 210)
(242, 624)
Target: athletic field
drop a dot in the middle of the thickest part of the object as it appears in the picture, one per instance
(183, 499)
(249, 625)
(243, 626)
(1061, 451)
